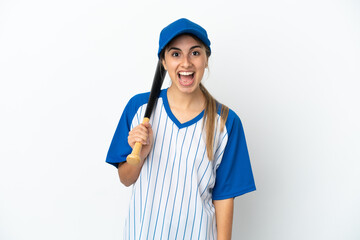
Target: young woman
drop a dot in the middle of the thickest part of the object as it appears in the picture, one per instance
(194, 159)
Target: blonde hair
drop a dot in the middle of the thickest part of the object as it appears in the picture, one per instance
(211, 109)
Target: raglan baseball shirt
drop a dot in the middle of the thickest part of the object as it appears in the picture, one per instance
(172, 198)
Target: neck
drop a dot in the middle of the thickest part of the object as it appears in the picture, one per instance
(186, 101)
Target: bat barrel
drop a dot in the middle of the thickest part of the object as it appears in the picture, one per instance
(134, 157)
(156, 88)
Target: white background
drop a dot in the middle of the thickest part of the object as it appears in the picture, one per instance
(290, 69)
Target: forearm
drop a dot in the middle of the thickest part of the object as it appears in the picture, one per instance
(128, 173)
(224, 210)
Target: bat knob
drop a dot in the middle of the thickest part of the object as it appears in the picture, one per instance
(133, 159)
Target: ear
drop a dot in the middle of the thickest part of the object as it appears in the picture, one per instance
(164, 64)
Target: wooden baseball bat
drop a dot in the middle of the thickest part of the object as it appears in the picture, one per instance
(134, 157)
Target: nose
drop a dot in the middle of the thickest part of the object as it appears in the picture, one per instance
(186, 62)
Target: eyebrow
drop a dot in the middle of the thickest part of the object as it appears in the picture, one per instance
(178, 49)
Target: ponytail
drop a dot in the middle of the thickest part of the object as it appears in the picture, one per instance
(209, 120)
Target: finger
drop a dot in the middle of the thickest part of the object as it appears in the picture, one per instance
(139, 135)
(140, 127)
(150, 131)
(150, 135)
(133, 139)
(139, 130)
(147, 125)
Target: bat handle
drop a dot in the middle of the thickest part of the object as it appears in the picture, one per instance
(134, 157)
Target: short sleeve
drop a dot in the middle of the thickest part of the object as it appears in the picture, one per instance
(234, 175)
(119, 147)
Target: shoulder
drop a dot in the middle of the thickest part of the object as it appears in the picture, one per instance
(232, 119)
(143, 98)
(133, 105)
(139, 99)
(138, 103)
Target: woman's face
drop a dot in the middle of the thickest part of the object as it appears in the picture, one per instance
(185, 60)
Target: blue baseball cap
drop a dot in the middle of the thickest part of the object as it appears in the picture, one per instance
(182, 26)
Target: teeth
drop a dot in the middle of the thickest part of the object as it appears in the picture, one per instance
(186, 73)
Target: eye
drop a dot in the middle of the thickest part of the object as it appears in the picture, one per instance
(175, 54)
(195, 53)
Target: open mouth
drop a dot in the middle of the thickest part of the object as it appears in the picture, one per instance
(186, 78)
